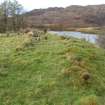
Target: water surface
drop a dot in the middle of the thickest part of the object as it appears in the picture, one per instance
(88, 37)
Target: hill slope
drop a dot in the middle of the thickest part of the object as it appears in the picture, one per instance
(72, 16)
(51, 72)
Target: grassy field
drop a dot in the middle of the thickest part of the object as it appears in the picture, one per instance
(51, 72)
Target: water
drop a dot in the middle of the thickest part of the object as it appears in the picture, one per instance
(88, 37)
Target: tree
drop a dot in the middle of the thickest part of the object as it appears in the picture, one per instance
(4, 7)
(16, 11)
(11, 15)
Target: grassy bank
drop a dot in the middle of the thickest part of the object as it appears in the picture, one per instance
(92, 30)
(51, 72)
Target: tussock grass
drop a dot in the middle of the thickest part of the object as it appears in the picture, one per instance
(88, 100)
(50, 72)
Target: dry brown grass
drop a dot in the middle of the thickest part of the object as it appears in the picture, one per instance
(89, 100)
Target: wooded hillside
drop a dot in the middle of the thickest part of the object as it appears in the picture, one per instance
(72, 16)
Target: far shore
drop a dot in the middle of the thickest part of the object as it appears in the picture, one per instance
(90, 30)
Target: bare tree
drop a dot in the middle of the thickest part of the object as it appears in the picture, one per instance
(16, 11)
(11, 17)
(4, 7)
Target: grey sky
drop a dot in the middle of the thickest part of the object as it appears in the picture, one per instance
(35, 4)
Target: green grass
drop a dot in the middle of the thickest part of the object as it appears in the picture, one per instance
(49, 72)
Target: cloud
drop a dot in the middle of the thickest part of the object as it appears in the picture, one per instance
(35, 4)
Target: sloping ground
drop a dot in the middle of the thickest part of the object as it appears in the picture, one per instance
(56, 71)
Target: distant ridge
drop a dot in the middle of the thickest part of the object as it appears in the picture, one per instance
(71, 16)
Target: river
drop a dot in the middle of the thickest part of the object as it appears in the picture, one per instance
(88, 37)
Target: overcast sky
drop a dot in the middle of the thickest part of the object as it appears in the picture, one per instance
(36, 4)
